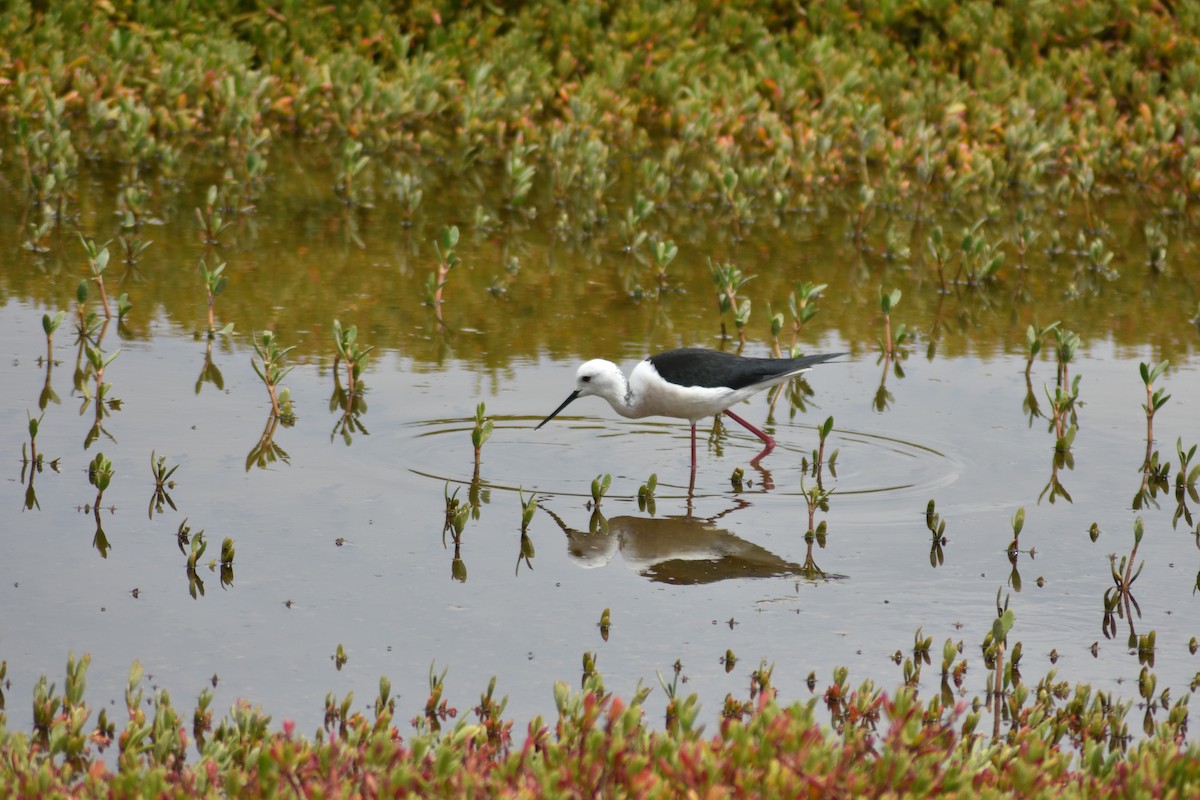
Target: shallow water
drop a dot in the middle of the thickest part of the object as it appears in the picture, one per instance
(342, 543)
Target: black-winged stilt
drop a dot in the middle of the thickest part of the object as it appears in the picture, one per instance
(689, 383)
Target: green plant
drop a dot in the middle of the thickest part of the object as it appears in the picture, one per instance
(162, 484)
(729, 280)
(937, 528)
(447, 260)
(1155, 399)
(49, 326)
(890, 343)
(271, 371)
(802, 303)
(600, 486)
(348, 349)
(481, 432)
(646, 494)
(349, 167)
(98, 257)
(212, 221)
(1067, 343)
(214, 283)
(1033, 341)
(664, 252)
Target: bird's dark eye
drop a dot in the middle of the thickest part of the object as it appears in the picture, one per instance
(586, 379)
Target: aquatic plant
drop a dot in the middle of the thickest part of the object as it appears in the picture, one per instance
(1034, 336)
(1155, 399)
(481, 432)
(890, 343)
(214, 284)
(1118, 598)
(664, 252)
(600, 486)
(348, 349)
(937, 528)
(447, 260)
(162, 484)
(349, 166)
(211, 219)
(271, 371)
(729, 280)
(97, 257)
(645, 495)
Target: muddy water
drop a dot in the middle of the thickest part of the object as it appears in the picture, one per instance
(340, 538)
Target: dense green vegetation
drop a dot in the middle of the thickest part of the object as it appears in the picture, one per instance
(761, 100)
(600, 746)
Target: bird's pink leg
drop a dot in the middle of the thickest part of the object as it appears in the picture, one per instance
(693, 449)
(767, 440)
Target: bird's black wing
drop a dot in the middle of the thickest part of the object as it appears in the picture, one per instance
(697, 366)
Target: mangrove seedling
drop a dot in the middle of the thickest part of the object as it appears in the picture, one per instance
(162, 483)
(802, 303)
(1067, 342)
(1014, 547)
(815, 498)
(937, 528)
(823, 431)
(1156, 243)
(888, 301)
(1155, 399)
(100, 473)
(1186, 479)
(664, 252)
(481, 432)
(198, 546)
(940, 252)
(776, 320)
(351, 164)
(605, 624)
(348, 349)
(646, 494)
(49, 326)
(1118, 599)
(407, 188)
(980, 259)
(447, 260)
(630, 228)
(227, 553)
(214, 284)
(339, 657)
(38, 231)
(1033, 342)
(528, 507)
(729, 280)
(272, 371)
(600, 486)
(212, 223)
(1023, 236)
(1185, 484)
(519, 172)
(98, 257)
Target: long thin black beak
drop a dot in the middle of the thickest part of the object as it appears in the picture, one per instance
(554, 413)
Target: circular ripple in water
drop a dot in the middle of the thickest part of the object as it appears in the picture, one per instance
(565, 461)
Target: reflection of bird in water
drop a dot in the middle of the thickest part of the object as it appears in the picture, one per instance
(690, 383)
(680, 550)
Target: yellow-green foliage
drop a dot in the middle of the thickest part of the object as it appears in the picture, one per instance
(1068, 745)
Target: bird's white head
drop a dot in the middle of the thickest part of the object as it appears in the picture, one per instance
(596, 377)
(601, 378)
